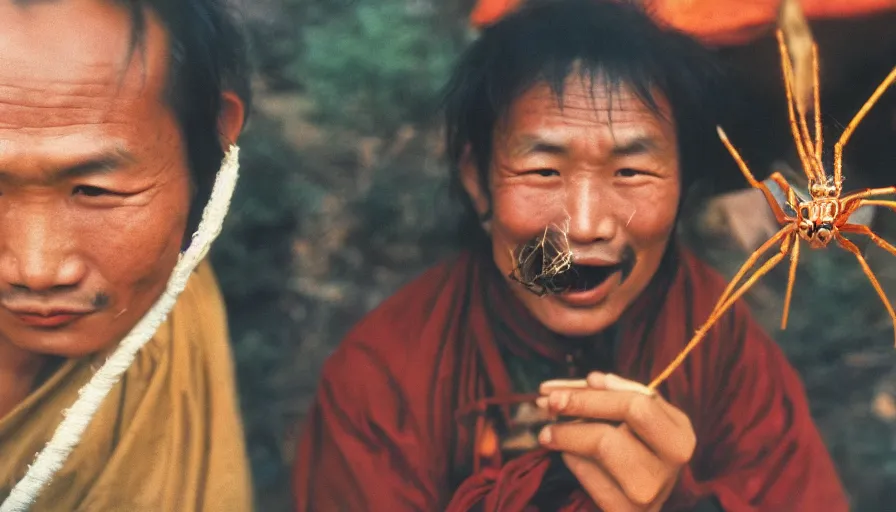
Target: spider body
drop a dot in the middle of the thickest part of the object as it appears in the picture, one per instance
(818, 219)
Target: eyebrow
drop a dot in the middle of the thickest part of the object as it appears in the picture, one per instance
(528, 144)
(101, 163)
(642, 145)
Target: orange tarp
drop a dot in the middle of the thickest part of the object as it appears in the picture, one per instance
(716, 22)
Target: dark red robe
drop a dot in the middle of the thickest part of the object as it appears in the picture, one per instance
(385, 433)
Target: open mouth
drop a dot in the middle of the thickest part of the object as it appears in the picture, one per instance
(545, 265)
(581, 278)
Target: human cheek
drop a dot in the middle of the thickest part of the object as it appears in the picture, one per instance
(652, 217)
(522, 212)
(129, 244)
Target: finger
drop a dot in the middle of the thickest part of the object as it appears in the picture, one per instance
(550, 385)
(644, 415)
(596, 380)
(555, 385)
(599, 485)
(612, 382)
(637, 471)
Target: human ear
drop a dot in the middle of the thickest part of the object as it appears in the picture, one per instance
(231, 118)
(473, 185)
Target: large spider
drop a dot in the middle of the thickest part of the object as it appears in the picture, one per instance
(819, 219)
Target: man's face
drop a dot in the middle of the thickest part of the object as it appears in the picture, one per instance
(612, 187)
(94, 186)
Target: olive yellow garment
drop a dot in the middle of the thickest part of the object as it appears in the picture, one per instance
(167, 438)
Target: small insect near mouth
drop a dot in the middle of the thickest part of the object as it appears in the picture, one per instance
(545, 265)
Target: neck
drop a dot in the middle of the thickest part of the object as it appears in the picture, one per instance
(18, 373)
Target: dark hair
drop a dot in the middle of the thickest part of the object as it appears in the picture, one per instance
(208, 56)
(614, 43)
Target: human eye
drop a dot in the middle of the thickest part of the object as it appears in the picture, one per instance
(91, 191)
(545, 173)
(100, 197)
(628, 172)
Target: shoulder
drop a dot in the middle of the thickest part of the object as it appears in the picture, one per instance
(704, 285)
(737, 361)
(196, 329)
(737, 338)
(202, 295)
(406, 329)
(702, 274)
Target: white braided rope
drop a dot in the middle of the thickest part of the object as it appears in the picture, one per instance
(91, 396)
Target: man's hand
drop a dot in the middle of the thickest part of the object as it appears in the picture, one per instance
(628, 445)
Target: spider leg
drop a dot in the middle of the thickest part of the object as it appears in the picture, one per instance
(752, 260)
(876, 202)
(776, 176)
(847, 133)
(791, 279)
(848, 208)
(865, 230)
(869, 192)
(816, 92)
(799, 138)
(813, 153)
(728, 299)
(851, 247)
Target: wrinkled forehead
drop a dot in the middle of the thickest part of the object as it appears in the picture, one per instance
(77, 48)
(592, 99)
(589, 111)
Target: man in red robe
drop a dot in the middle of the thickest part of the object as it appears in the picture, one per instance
(580, 118)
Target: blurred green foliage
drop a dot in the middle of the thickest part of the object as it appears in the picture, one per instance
(375, 67)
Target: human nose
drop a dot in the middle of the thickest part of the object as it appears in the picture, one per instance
(590, 216)
(37, 251)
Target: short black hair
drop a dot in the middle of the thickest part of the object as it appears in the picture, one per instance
(613, 42)
(208, 55)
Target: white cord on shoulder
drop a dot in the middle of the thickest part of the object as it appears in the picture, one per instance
(76, 419)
